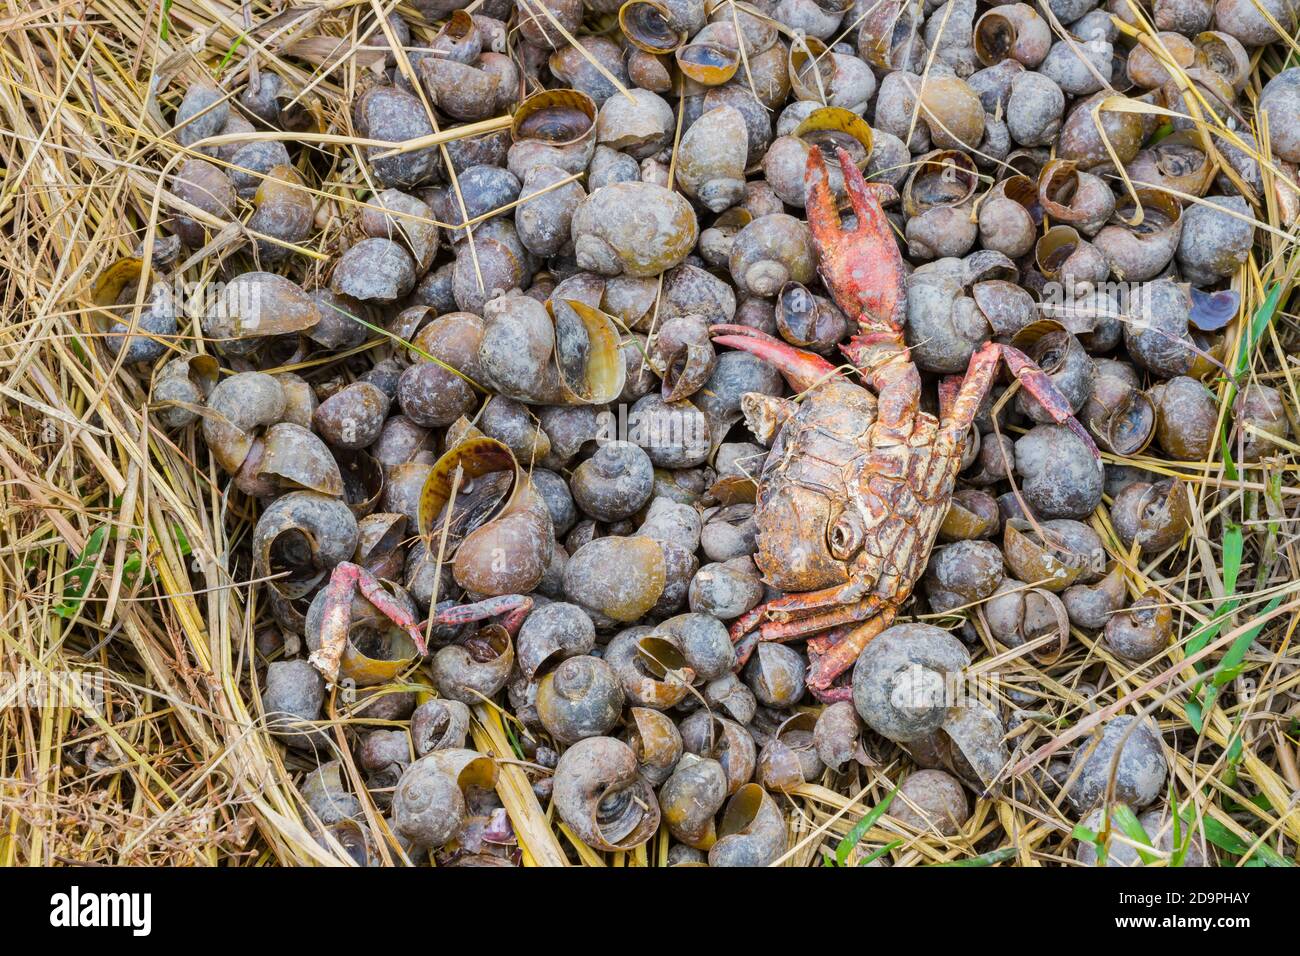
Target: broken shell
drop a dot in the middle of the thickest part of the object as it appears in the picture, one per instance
(588, 354)
(1155, 517)
(134, 339)
(376, 650)
(640, 126)
(1018, 614)
(651, 669)
(185, 381)
(657, 744)
(239, 407)
(600, 795)
(1119, 416)
(429, 804)
(474, 670)
(1091, 605)
(1141, 252)
(1063, 255)
(393, 214)
(1077, 198)
(462, 91)
(709, 64)
(752, 831)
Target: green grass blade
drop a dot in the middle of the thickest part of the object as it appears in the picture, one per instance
(854, 836)
(992, 858)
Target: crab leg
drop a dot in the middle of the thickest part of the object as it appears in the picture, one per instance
(801, 369)
(978, 380)
(515, 607)
(336, 617)
(833, 654)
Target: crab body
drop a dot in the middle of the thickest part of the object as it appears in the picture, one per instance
(857, 482)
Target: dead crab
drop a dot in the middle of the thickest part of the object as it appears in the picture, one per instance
(856, 484)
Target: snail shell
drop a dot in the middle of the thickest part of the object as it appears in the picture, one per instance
(306, 534)
(752, 832)
(469, 673)
(635, 228)
(898, 680)
(599, 793)
(657, 743)
(652, 670)
(691, 798)
(581, 698)
(429, 804)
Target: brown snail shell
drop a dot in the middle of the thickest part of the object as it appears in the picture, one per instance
(1157, 336)
(937, 200)
(707, 63)
(657, 743)
(1120, 417)
(1071, 196)
(553, 127)
(1018, 614)
(292, 696)
(1143, 630)
(609, 240)
(776, 673)
(1214, 245)
(305, 534)
(703, 642)
(1147, 71)
(238, 408)
(282, 209)
(892, 657)
(516, 354)
(838, 736)
(789, 757)
(1052, 556)
(890, 36)
(255, 305)
(1064, 359)
(462, 91)
(538, 28)
(202, 113)
(1081, 142)
(476, 670)
(1248, 23)
(651, 668)
(374, 270)
(289, 456)
(1137, 253)
(187, 381)
(352, 417)
(1034, 109)
(649, 26)
(640, 126)
(1187, 417)
(730, 695)
(114, 295)
(771, 251)
(723, 740)
(752, 831)
(931, 801)
(691, 798)
(402, 217)
(1223, 54)
(206, 186)
(581, 698)
(1262, 408)
(618, 577)
(1154, 516)
(972, 513)
(1091, 605)
(1012, 30)
(600, 795)
(575, 69)
(394, 115)
(1008, 217)
(1063, 255)
(429, 804)
(458, 39)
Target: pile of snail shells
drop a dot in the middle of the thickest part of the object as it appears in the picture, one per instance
(503, 380)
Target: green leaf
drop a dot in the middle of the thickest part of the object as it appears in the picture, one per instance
(166, 25)
(182, 542)
(1232, 548)
(1132, 827)
(1256, 329)
(79, 576)
(985, 859)
(1219, 835)
(1230, 665)
(854, 836)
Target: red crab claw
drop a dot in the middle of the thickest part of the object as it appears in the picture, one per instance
(515, 607)
(862, 267)
(801, 369)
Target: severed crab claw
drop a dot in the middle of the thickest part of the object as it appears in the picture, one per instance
(336, 617)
